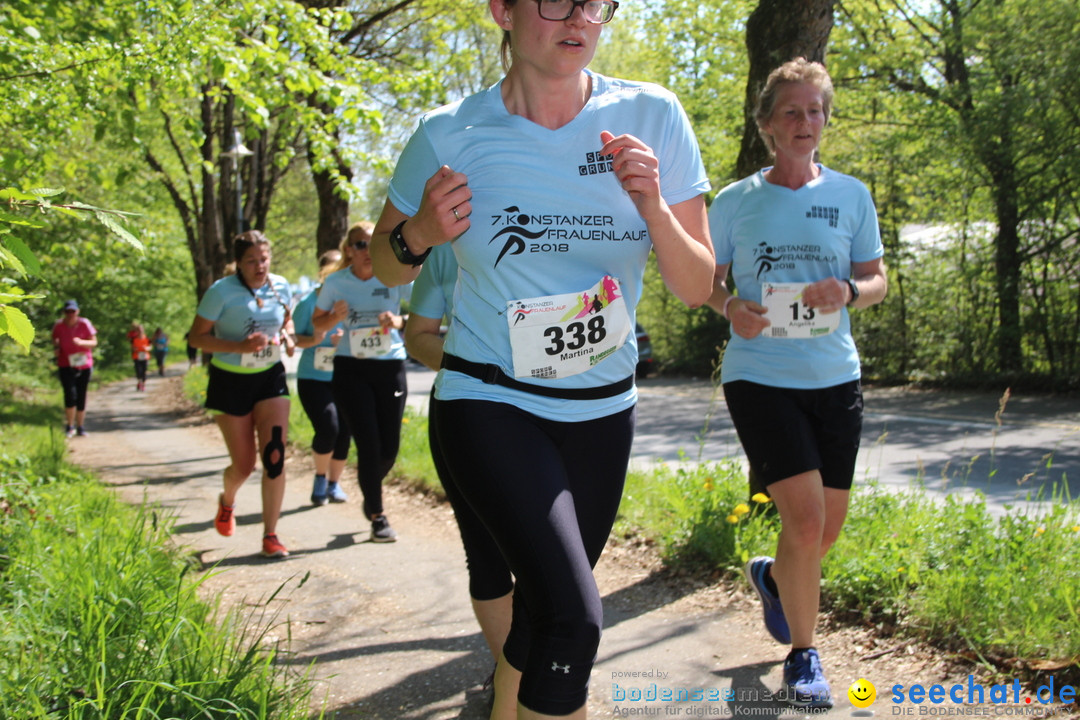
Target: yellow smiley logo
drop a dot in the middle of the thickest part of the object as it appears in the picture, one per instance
(862, 693)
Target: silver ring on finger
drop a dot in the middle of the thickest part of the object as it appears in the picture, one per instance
(456, 216)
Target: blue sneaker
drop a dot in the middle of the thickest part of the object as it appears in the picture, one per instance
(805, 682)
(336, 493)
(318, 491)
(775, 622)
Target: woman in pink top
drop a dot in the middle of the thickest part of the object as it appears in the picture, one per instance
(74, 340)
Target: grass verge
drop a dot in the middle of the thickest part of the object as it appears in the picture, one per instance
(99, 615)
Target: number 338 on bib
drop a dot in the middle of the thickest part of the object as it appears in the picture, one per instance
(562, 335)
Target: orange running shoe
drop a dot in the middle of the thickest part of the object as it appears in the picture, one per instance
(224, 522)
(272, 547)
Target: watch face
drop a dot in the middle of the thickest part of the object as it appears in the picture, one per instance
(401, 250)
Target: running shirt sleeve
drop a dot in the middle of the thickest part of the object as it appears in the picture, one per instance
(417, 162)
(866, 242)
(302, 314)
(212, 303)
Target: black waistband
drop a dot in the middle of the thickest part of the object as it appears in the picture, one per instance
(493, 375)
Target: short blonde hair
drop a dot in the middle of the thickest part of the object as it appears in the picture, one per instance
(799, 70)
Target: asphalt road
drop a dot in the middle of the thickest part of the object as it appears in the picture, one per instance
(945, 441)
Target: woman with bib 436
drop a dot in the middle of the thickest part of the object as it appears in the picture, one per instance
(241, 320)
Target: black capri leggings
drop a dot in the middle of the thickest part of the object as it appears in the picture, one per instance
(489, 575)
(140, 370)
(74, 382)
(372, 394)
(547, 492)
(331, 433)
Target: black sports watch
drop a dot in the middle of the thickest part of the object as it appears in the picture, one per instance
(402, 252)
(850, 283)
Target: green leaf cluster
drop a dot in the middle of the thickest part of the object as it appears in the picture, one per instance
(23, 209)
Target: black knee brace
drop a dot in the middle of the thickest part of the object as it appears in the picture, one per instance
(274, 468)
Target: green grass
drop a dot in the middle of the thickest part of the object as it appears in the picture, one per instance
(697, 514)
(100, 617)
(1001, 587)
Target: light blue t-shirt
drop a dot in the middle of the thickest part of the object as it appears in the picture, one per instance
(549, 217)
(236, 313)
(433, 289)
(367, 299)
(305, 369)
(771, 233)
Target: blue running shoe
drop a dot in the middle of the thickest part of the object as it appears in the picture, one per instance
(336, 493)
(318, 491)
(805, 682)
(775, 622)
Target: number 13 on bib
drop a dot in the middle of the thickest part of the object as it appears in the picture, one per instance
(790, 317)
(562, 335)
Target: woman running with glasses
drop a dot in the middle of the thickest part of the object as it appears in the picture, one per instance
(552, 187)
(369, 367)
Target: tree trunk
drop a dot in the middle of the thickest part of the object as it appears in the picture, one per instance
(1007, 269)
(333, 206)
(778, 31)
(211, 255)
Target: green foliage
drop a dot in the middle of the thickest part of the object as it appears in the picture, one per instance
(948, 570)
(1003, 586)
(23, 207)
(697, 514)
(98, 614)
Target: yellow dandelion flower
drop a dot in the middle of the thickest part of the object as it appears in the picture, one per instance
(708, 485)
(404, 420)
(761, 498)
(1076, 528)
(741, 509)
(1039, 530)
(900, 569)
(733, 519)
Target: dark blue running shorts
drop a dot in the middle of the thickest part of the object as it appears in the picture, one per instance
(787, 431)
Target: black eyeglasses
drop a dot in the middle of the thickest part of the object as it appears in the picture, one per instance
(596, 12)
(361, 245)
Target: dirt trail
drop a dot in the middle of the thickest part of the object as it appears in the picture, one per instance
(389, 627)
